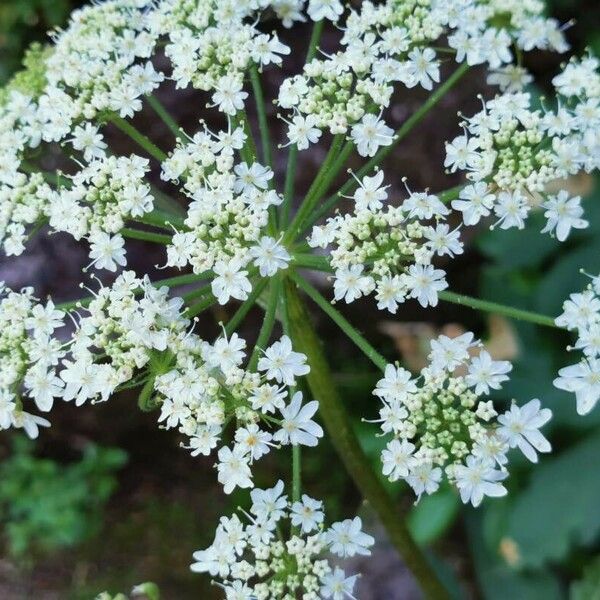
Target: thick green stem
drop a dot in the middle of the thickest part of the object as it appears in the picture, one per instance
(139, 138)
(339, 428)
(499, 309)
(377, 359)
(165, 117)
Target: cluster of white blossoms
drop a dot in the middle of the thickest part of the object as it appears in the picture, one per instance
(226, 221)
(228, 214)
(581, 313)
(444, 424)
(281, 550)
(511, 150)
(393, 42)
(388, 250)
(28, 358)
(135, 335)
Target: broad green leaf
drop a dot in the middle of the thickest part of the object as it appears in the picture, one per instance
(433, 515)
(498, 580)
(588, 587)
(559, 507)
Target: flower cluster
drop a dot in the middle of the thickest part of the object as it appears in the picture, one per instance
(28, 358)
(283, 550)
(512, 150)
(581, 313)
(392, 42)
(388, 249)
(443, 422)
(135, 335)
(212, 44)
(227, 218)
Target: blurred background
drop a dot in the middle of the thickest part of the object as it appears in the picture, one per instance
(104, 499)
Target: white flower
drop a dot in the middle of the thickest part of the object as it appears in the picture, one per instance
(370, 134)
(461, 153)
(443, 241)
(251, 177)
(231, 281)
(579, 311)
(397, 459)
(253, 441)
(302, 131)
(424, 478)
(307, 514)
(89, 141)
(479, 478)
(107, 252)
(267, 49)
(337, 586)
(30, 423)
(475, 201)
(424, 283)
(346, 538)
(229, 95)
(325, 9)
(233, 469)
(584, 380)
(424, 67)
(448, 353)
(512, 209)
(269, 256)
(350, 283)
(563, 213)
(520, 427)
(370, 193)
(270, 504)
(281, 363)
(395, 385)
(485, 373)
(297, 426)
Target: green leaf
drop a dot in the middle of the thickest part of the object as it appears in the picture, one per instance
(433, 515)
(559, 508)
(498, 580)
(588, 587)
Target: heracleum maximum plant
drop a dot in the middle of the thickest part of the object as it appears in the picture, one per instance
(238, 236)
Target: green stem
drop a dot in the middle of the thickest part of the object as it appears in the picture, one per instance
(290, 172)
(296, 473)
(307, 204)
(248, 152)
(200, 306)
(315, 37)
(139, 138)
(263, 125)
(500, 309)
(377, 359)
(165, 116)
(339, 428)
(158, 218)
(288, 188)
(268, 322)
(147, 236)
(245, 307)
(402, 132)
